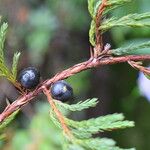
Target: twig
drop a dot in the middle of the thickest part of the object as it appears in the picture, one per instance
(98, 35)
(91, 63)
(58, 113)
(138, 66)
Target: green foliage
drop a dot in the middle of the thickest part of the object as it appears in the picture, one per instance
(133, 49)
(131, 20)
(93, 6)
(8, 120)
(111, 4)
(92, 33)
(79, 106)
(40, 134)
(108, 122)
(83, 130)
(15, 64)
(3, 30)
(101, 144)
(51, 136)
(4, 70)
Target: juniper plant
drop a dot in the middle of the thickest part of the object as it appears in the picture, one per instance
(79, 134)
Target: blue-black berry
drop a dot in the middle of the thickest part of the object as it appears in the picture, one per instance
(62, 91)
(29, 78)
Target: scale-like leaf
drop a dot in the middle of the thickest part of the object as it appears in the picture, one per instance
(101, 144)
(78, 106)
(15, 64)
(131, 20)
(95, 125)
(91, 7)
(4, 69)
(92, 33)
(143, 48)
(8, 120)
(3, 31)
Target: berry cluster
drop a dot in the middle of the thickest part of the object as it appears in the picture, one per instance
(29, 78)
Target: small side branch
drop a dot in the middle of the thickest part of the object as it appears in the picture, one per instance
(98, 35)
(58, 114)
(137, 65)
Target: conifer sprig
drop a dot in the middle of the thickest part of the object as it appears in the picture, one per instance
(131, 20)
(132, 49)
(93, 6)
(78, 106)
(15, 64)
(83, 130)
(4, 69)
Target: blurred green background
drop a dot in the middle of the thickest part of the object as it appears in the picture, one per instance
(53, 35)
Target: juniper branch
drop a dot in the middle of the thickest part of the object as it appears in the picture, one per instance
(89, 64)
